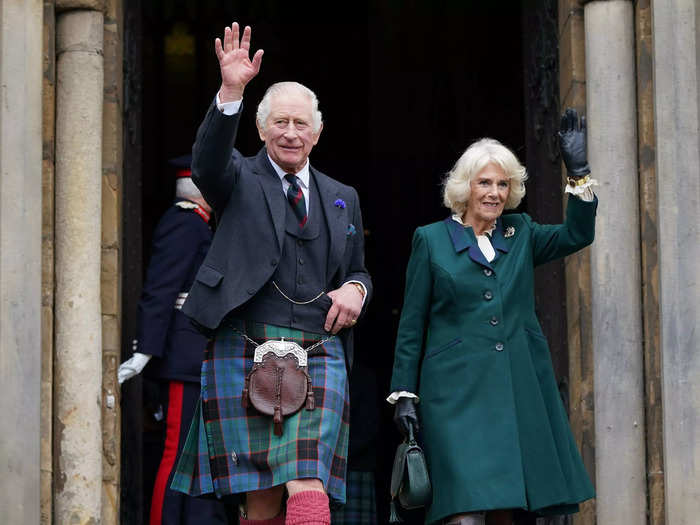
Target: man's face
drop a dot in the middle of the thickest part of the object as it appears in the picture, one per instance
(288, 132)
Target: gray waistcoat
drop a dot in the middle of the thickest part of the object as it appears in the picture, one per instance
(300, 275)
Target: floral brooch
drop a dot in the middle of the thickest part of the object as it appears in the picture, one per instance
(339, 203)
(510, 231)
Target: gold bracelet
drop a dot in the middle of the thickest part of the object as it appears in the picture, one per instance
(360, 289)
(578, 182)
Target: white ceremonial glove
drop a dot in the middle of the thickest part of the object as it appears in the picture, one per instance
(132, 366)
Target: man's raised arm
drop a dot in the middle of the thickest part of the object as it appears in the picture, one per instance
(212, 162)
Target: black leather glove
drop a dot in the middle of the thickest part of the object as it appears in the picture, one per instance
(405, 415)
(572, 144)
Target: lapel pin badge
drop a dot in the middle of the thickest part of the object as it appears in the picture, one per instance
(339, 203)
(510, 231)
(351, 229)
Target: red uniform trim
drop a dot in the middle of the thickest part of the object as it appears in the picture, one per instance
(167, 462)
(203, 214)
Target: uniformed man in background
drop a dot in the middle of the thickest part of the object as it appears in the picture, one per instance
(169, 347)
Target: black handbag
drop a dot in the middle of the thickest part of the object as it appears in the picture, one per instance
(410, 482)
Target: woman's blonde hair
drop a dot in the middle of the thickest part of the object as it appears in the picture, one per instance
(457, 184)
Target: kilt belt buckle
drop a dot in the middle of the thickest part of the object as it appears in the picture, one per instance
(279, 383)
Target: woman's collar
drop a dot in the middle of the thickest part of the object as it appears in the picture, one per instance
(458, 219)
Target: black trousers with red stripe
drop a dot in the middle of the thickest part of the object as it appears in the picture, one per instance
(169, 507)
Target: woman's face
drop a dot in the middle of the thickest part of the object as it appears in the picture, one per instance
(489, 193)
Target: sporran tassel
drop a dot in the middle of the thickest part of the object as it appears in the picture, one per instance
(277, 420)
(310, 399)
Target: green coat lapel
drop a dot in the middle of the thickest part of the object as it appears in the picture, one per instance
(463, 238)
(498, 239)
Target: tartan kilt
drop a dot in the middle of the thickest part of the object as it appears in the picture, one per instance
(231, 450)
(360, 507)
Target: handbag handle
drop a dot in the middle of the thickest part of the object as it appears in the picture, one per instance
(411, 438)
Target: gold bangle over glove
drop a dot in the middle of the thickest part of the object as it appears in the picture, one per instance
(578, 182)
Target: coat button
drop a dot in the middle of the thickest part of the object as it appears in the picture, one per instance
(300, 242)
(301, 260)
(488, 295)
(234, 458)
(488, 272)
(273, 262)
(494, 321)
(499, 347)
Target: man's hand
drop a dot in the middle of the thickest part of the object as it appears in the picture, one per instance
(132, 366)
(347, 304)
(234, 62)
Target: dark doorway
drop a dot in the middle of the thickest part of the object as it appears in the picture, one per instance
(404, 87)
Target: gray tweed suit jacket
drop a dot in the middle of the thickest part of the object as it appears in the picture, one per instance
(246, 194)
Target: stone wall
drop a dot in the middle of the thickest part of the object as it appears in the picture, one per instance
(111, 258)
(648, 225)
(20, 265)
(572, 93)
(47, 259)
(55, 471)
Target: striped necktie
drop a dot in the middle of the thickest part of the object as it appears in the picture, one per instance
(296, 198)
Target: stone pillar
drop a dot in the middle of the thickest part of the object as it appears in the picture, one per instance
(676, 28)
(615, 264)
(20, 259)
(78, 344)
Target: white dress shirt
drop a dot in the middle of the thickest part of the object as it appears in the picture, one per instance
(303, 181)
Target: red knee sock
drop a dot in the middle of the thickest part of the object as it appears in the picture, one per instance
(277, 520)
(309, 507)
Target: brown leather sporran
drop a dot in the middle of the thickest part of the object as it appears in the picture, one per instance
(279, 383)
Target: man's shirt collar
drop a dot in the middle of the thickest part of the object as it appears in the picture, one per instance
(303, 174)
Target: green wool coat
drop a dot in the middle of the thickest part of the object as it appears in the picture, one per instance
(494, 429)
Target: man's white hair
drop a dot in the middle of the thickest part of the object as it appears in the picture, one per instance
(185, 189)
(281, 88)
